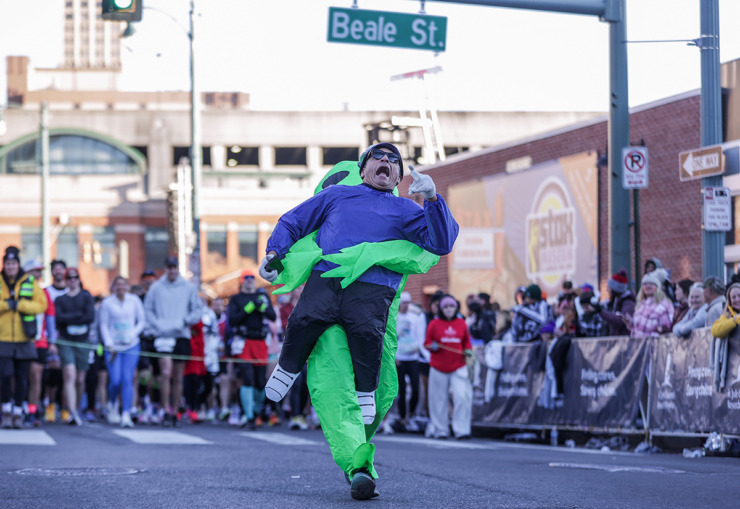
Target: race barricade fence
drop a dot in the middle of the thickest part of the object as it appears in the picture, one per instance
(603, 387)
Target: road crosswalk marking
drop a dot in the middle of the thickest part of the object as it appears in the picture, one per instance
(281, 438)
(161, 437)
(25, 437)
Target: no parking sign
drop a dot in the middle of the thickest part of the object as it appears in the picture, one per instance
(634, 167)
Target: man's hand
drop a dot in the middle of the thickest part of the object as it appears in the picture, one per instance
(422, 184)
(267, 274)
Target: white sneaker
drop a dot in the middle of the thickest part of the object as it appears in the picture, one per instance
(367, 406)
(111, 413)
(126, 421)
(279, 383)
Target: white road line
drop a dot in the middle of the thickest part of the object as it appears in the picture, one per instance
(161, 437)
(618, 468)
(451, 443)
(280, 438)
(25, 437)
(436, 443)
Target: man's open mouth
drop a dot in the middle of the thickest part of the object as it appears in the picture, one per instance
(383, 170)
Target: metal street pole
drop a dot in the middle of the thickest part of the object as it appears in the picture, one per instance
(196, 156)
(619, 136)
(713, 245)
(45, 240)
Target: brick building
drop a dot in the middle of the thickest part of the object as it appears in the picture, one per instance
(670, 210)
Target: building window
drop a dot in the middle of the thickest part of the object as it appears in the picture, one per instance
(67, 247)
(455, 150)
(247, 236)
(31, 243)
(155, 240)
(69, 155)
(184, 152)
(216, 240)
(242, 156)
(104, 249)
(290, 156)
(334, 155)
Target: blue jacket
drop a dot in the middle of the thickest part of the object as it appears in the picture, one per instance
(349, 215)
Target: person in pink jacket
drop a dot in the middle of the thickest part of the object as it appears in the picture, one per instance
(654, 311)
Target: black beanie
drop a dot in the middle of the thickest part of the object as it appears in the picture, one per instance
(11, 253)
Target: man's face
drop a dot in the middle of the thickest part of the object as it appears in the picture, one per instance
(57, 274)
(696, 297)
(73, 281)
(248, 284)
(217, 306)
(36, 273)
(172, 272)
(146, 282)
(381, 173)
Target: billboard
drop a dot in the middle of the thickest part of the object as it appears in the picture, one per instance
(537, 225)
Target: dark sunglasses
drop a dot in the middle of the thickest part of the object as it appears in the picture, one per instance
(248, 277)
(73, 277)
(379, 154)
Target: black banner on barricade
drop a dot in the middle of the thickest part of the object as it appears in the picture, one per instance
(603, 381)
(687, 394)
(517, 389)
(681, 389)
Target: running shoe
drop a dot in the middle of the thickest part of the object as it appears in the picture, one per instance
(74, 419)
(50, 414)
(126, 421)
(211, 415)
(89, 416)
(363, 486)
(274, 420)
(65, 416)
(224, 414)
(7, 420)
(258, 422)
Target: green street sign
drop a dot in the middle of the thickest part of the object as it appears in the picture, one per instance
(378, 28)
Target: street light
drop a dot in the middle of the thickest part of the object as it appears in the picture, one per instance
(196, 157)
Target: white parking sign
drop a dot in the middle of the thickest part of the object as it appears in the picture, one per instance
(634, 167)
(717, 209)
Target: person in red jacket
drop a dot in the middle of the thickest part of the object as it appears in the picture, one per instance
(195, 373)
(449, 343)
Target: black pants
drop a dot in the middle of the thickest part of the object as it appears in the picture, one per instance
(10, 370)
(251, 375)
(196, 390)
(410, 368)
(299, 394)
(361, 309)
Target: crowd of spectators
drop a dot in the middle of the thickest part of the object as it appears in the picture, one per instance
(158, 353)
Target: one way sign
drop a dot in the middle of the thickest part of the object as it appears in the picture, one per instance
(700, 163)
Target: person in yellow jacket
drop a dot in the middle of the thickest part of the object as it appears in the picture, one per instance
(21, 299)
(722, 329)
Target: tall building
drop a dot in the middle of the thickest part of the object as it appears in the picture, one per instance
(90, 42)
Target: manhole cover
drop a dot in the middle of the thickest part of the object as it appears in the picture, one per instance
(76, 472)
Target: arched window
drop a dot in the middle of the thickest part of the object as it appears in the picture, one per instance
(71, 152)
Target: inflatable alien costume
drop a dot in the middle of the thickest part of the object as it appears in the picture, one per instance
(331, 376)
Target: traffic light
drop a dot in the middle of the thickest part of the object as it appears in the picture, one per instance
(122, 10)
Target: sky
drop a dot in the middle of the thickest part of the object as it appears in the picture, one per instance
(497, 59)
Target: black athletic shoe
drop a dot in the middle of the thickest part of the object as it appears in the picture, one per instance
(176, 421)
(363, 486)
(167, 421)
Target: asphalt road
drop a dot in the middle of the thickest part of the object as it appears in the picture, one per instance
(217, 466)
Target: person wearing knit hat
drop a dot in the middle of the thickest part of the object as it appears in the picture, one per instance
(533, 292)
(621, 303)
(653, 311)
(531, 315)
(448, 340)
(618, 283)
(21, 298)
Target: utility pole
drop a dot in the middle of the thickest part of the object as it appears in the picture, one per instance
(196, 152)
(713, 243)
(44, 156)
